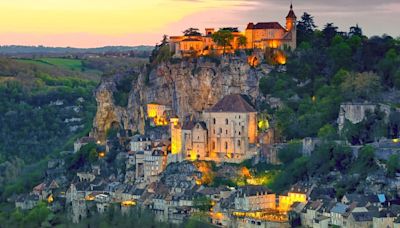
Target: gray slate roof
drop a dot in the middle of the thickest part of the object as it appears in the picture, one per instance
(233, 103)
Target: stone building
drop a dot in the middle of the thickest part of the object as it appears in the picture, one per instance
(254, 198)
(261, 35)
(139, 142)
(227, 132)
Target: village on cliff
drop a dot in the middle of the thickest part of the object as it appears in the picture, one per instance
(175, 163)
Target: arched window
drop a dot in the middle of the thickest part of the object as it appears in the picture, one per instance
(238, 143)
(226, 121)
(226, 145)
(214, 121)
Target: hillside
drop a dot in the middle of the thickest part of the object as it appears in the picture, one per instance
(45, 104)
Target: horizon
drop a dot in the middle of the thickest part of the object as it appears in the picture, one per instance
(134, 24)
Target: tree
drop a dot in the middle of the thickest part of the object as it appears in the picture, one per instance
(242, 41)
(222, 38)
(305, 28)
(192, 32)
(290, 152)
(361, 86)
(393, 165)
(365, 161)
(231, 29)
(355, 31)
(329, 31)
(327, 132)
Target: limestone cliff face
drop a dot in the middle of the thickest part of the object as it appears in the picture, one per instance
(107, 112)
(188, 87)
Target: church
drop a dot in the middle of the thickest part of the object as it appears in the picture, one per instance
(227, 132)
(259, 35)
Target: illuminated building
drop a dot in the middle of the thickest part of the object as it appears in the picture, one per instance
(271, 34)
(298, 193)
(227, 133)
(158, 114)
(261, 35)
(254, 198)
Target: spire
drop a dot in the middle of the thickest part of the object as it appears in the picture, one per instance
(291, 12)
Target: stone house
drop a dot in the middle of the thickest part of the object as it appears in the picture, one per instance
(253, 198)
(154, 162)
(26, 202)
(139, 142)
(359, 220)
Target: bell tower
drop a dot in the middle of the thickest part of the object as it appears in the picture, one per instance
(291, 19)
(291, 28)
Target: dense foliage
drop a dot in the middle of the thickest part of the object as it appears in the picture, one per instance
(328, 68)
(43, 108)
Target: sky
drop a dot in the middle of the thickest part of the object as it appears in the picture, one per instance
(95, 23)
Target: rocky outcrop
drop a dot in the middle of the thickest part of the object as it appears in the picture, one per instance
(189, 87)
(108, 113)
(356, 113)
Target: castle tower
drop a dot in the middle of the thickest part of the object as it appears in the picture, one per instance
(291, 19)
(291, 27)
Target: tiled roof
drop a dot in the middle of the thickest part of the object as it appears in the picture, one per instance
(265, 25)
(233, 103)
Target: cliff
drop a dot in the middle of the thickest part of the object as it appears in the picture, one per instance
(188, 87)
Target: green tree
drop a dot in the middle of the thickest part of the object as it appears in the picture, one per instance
(361, 86)
(290, 152)
(327, 132)
(305, 28)
(365, 161)
(242, 41)
(192, 32)
(223, 38)
(393, 165)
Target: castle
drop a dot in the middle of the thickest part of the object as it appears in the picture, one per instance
(261, 35)
(227, 132)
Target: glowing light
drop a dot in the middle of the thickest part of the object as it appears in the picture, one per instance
(313, 98)
(245, 172)
(205, 169)
(396, 140)
(50, 199)
(128, 203)
(193, 155)
(280, 58)
(89, 198)
(102, 154)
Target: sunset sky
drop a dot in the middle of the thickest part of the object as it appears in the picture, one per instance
(93, 23)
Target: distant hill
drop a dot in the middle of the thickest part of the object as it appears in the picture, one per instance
(16, 49)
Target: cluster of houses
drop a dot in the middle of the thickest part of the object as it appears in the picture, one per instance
(159, 175)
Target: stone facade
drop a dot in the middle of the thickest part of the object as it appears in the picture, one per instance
(226, 133)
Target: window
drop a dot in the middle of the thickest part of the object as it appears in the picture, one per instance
(226, 145)
(214, 121)
(213, 145)
(226, 121)
(238, 143)
(239, 132)
(226, 131)
(220, 130)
